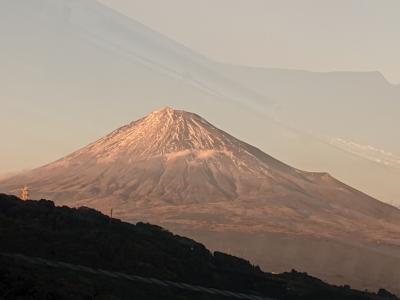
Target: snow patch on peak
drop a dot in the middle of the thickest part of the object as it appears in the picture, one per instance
(173, 135)
(175, 155)
(207, 154)
(166, 109)
(196, 155)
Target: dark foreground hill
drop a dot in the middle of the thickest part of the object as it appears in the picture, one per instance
(86, 237)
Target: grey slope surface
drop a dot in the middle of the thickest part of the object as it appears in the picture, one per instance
(354, 112)
(107, 29)
(366, 103)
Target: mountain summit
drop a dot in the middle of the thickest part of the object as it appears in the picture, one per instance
(169, 133)
(175, 169)
(163, 132)
(169, 156)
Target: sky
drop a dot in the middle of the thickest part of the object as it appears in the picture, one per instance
(72, 71)
(315, 35)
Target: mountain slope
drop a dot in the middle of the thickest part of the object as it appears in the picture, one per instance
(175, 169)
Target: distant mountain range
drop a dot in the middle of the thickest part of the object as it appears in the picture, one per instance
(83, 56)
(175, 169)
(85, 237)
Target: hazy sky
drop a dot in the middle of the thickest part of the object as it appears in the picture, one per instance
(72, 71)
(320, 35)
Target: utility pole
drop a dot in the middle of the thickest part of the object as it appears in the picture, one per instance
(111, 215)
(25, 193)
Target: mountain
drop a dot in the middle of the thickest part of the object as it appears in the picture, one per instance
(316, 100)
(96, 66)
(175, 169)
(366, 105)
(87, 238)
